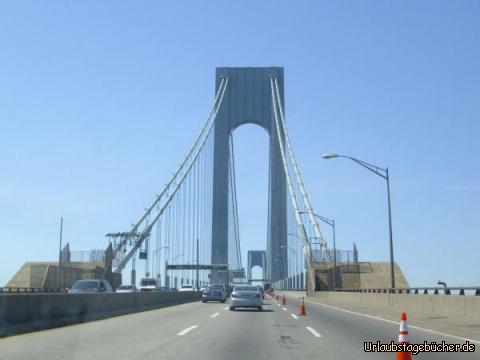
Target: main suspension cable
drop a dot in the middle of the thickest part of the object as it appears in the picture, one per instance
(306, 200)
(306, 244)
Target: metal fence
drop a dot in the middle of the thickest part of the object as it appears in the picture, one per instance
(342, 256)
(91, 256)
(460, 291)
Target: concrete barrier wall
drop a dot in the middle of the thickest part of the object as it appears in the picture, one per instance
(447, 305)
(30, 308)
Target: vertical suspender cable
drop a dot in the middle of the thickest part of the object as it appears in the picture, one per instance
(189, 153)
(235, 209)
(192, 156)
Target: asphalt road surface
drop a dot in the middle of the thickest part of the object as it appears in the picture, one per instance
(210, 331)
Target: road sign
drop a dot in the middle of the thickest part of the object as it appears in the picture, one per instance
(237, 273)
(197, 267)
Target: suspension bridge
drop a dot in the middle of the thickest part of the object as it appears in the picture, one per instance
(189, 234)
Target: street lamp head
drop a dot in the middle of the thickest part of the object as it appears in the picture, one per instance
(329, 156)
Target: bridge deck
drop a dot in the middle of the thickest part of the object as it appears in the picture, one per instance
(210, 331)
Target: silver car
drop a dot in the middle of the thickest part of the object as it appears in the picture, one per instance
(246, 296)
(91, 286)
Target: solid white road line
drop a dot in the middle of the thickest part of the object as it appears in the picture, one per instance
(284, 309)
(294, 316)
(183, 332)
(313, 331)
(215, 315)
(396, 323)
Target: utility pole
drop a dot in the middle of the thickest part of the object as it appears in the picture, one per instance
(334, 258)
(133, 275)
(167, 279)
(60, 253)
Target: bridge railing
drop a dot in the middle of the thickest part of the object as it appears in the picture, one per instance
(26, 290)
(461, 291)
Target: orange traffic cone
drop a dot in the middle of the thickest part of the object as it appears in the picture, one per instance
(302, 309)
(403, 338)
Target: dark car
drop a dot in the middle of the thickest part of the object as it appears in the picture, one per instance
(91, 286)
(215, 292)
(162, 288)
(261, 290)
(126, 289)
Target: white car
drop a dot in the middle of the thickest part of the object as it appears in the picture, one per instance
(148, 284)
(246, 296)
(126, 289)
(186, 287)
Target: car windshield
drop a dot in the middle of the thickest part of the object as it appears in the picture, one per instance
(86, 285)
(245, 288)
(148, 282)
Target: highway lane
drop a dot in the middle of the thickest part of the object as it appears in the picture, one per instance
(211, 331)
(343, 327)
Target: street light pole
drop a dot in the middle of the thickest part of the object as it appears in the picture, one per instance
(159, 258)
(392, 269)
(382, 172)
(334, 257)
(294, 252)
(330, 222)
(60, 253)
(196, 282)
(166, 268)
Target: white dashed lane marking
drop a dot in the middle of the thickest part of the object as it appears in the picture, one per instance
(215, 315)
(294, 316)
(183, 332)
(313, 331)
(395, 322)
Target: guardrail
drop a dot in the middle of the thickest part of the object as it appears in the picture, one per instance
(419, 290)
(23, 290)
(21, 312)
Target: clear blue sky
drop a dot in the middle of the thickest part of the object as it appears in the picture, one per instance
(99, 101)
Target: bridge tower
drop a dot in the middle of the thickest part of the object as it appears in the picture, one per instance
(248, 99)
(257, 258)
